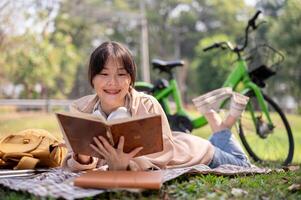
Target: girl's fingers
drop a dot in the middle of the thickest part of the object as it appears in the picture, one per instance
(97, 150)
(135, 151)
(97, 141)
(100, 146)
(121, 143)
(106, 145)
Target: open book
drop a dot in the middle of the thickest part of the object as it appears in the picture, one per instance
(79, 129)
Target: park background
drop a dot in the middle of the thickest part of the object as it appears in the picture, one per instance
(45, 45)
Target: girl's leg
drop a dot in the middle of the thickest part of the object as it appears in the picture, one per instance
(227, 150)
(229, 121)
(215, 121)
(227, 142)
(209, 103)
(237, 106)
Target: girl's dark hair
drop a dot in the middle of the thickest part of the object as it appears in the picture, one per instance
(113, 50)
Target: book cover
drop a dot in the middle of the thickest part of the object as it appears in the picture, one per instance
(119, 179)
(79, 129)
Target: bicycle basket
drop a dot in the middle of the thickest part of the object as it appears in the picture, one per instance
(263, 62)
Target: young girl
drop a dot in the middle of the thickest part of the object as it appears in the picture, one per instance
(112, 72)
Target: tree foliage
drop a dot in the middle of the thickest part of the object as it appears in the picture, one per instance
(37, 63)
(210, 68)
(56, 57)
(286, 34)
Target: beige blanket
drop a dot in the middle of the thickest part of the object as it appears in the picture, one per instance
(59, 183)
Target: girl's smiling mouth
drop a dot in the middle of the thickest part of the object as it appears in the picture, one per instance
(112, 91)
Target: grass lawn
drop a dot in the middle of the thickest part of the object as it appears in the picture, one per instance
(277, 185)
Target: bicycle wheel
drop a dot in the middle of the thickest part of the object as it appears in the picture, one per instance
(264, 143)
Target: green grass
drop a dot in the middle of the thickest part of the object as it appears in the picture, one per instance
(272, 186)
(14, 122)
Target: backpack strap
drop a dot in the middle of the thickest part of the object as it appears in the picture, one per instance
(15, 155)
(24, 160)
(27, 163)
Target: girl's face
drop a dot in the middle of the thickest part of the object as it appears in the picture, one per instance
(111, 85)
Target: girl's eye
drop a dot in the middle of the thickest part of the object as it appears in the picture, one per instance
(103, 74)
(122, 74)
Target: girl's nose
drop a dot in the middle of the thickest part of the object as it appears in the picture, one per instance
(112, 80)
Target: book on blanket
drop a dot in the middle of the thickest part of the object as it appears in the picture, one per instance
(79, 129)
(119, 179)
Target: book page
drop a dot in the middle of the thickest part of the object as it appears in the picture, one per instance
(86, 116)
(130, 119)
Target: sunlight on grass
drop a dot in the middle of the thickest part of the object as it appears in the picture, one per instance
(14, 122)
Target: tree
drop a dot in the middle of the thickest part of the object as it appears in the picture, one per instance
(98, 21)
(286, 34)
(210, 69)
(40, 60)
(35, 62)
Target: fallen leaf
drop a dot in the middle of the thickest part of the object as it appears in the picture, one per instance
(211, 195)
(237, 192)
(284, 180)
(264, 198)
(217, 190)
(292, 168)
(279, 170)
(294, 187)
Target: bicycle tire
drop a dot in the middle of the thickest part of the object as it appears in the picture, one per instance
(255, 149)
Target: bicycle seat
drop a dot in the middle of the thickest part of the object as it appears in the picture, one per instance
(166, 66)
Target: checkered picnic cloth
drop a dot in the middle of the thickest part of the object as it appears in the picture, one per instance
(58, 183)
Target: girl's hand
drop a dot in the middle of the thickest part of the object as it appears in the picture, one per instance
(83, 159)
(116, 158)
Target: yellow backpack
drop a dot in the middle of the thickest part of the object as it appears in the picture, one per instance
(31, 148)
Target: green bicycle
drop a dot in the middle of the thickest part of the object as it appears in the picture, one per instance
(263, 128)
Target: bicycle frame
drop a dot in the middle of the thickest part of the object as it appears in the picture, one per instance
(237, 76)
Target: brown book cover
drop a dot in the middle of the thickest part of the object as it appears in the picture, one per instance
(120, 179)
(79, 129)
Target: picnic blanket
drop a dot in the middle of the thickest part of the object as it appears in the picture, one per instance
(58, 183)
